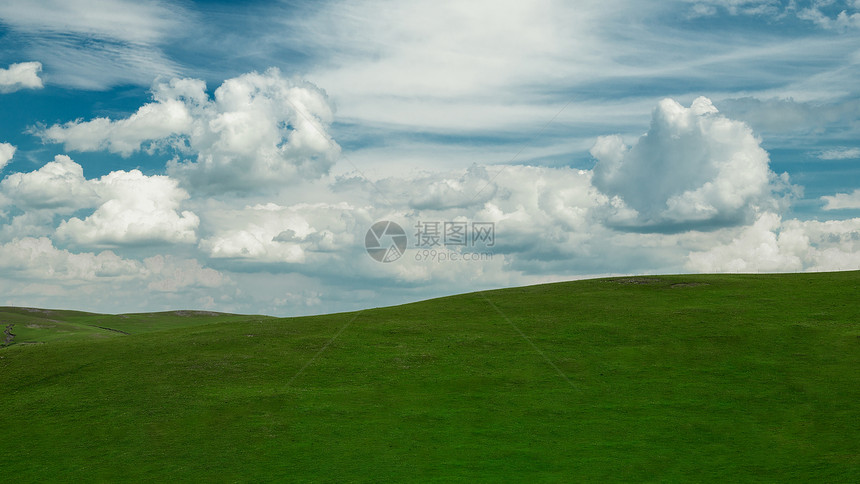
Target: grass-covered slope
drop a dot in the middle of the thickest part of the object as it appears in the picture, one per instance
(36, 326)
(671, 378)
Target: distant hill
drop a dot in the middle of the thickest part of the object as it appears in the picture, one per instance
(36, 326)
(663, 378)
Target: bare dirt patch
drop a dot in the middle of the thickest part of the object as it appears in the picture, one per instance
(689, 284)
(196, 313)
(8, 335)
(636, 280)
(37, 310)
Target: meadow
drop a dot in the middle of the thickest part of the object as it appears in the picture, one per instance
(705, 378)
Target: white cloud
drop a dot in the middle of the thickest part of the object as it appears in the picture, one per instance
(7, 151)
(759, 248)
(37, 273)
(152, 121)
(540, 213)
(24, 75)
(130, 207)
(450, 66)
(771, 245)
(260, 130)
(58, 185)
(37, 258)
(694, 168)
(134, 209)
(840, 154)
(301, 233)
(842, 201)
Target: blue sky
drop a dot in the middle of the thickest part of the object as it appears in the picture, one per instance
(215, 155)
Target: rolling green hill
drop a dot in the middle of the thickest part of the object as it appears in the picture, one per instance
(36, 326)
(667, 378)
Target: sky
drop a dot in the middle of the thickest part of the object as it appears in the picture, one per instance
(238, 157)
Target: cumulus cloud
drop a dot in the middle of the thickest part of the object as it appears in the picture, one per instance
(286, 234)
(257, 130)
(759, 248)
(842, 201)
(37, 273)
(7, 151)
(24, 75)
(153, 121)
(771, 245)
(134, 209)
(130, 207)
(540, 213)
(37, 258)
(59, 185)
(693, 169)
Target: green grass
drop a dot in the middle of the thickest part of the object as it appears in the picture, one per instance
(35, 326)
(672, 378)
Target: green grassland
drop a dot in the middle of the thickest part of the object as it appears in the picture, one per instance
(705, 378)
(36, 326)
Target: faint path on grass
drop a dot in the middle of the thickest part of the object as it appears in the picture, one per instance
(318, 353)
(534, 347)
(109, 329)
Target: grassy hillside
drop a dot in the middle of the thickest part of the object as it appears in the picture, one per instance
(669, 378)
(36, 326)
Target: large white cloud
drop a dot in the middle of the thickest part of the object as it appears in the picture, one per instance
(773, 245)
(694, 168)
(24, 75)
(37, 258)
(7, 151)
(130, 207)
(300, 233)
(37, 273)
(134, 209)
(151, 122)
(58, 185)
(257, 130)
